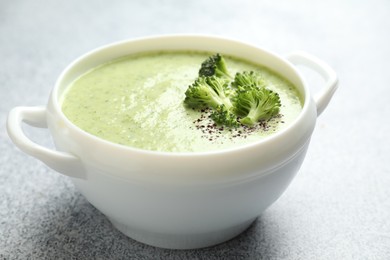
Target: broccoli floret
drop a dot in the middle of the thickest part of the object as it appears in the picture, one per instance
(256, 104)
(246, 98)
(223, 116)
(247, 78)
(214, 66)
(208, 92)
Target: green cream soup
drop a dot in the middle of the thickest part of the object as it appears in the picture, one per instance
(137, 101)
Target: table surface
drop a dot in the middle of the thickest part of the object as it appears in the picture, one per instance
(338, 205)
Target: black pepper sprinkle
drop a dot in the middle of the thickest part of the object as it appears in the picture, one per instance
(213, 132)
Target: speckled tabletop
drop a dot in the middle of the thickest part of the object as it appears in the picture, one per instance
(337, 207)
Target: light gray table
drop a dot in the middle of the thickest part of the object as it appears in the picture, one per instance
(338, 206)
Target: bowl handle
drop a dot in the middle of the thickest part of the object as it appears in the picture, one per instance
(62, 162)
(324, 96)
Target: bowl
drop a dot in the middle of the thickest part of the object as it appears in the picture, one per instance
(177, 200)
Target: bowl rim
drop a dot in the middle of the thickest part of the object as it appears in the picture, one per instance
(305, 94)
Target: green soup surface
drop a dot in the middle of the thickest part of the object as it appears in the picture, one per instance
(137, 101)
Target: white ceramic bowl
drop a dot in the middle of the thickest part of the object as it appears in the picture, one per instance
(177, 200)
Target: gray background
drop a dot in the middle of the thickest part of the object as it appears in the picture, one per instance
(338, 206)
